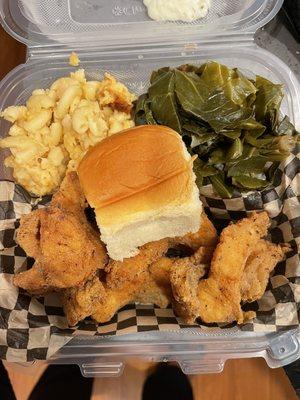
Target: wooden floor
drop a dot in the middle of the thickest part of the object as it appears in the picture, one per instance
(12, 53)
(241, 379)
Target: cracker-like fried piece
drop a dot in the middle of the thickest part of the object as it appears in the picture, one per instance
(66, 249)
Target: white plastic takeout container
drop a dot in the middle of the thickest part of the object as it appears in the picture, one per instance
(117, 36)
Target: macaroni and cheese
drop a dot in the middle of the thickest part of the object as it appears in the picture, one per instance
(51, 134)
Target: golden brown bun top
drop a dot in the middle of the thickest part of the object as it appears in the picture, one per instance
(131, 162)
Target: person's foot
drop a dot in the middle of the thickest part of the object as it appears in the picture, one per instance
(167, 382)
(62, 379)
(293, 373)
(6, 389)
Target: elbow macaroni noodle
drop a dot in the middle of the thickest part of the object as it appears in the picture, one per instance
(51, 134)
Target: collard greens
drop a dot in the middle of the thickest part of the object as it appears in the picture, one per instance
(230, 122)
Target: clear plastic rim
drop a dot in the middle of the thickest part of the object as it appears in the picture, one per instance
(10, 26)
(284, 74)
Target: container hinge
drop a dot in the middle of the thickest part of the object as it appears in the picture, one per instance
(102, 370)
(147, 50)
(196, 367)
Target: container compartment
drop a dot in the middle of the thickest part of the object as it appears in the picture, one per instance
(123, 22)
(134, 70)
(102, 12)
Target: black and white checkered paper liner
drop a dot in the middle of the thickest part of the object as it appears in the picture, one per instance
(33, 328)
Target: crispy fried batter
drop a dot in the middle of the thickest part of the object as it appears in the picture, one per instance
(144, 279)
(70, 196)
(81, 301)
(260, 264)
(66, 249)
(71, 251)
(202, 243)
(33, 279)
(69, 254)
(239, 271)
(220, 294)
(205, 237)
(161, 269)
(152, 293)
(130, 281)
(134, 269)
(147, 292)
(29, 232)
(115, 300)
(185, 277)
(126, 282)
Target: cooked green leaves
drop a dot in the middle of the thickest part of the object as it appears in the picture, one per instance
(230, 122)
(268, 101)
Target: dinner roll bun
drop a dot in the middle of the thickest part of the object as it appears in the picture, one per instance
(142, 186)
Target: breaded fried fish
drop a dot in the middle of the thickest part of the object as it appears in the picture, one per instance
(239, 271)
(260, 264)
(67, 251)
(126, 282)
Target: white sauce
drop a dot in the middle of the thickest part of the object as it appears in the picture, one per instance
(177, 10)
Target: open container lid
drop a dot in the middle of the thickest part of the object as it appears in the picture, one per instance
(106, 24)
(94, 27)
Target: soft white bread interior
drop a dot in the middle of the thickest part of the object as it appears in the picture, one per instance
(142, 186)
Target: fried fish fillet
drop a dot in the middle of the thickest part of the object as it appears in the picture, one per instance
(126, 282)
(202, 243)
(185, 278)
(238, 272)
(33, 281)
(134, 269)
(67, 251)
(28, 233)
(147, 292)
(260, 264)
(81, 301)
(220, 294)
(70, 195)
(206, 236)
(161, 269)
(144, 278)
(130, 281)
